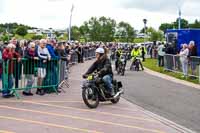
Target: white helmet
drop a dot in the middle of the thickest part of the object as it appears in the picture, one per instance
(100, 50)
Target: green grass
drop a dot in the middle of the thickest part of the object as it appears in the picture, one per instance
(152, 64)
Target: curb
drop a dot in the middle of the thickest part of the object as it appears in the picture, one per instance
(172, 79)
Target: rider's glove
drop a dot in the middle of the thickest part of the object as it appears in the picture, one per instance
(84, 76)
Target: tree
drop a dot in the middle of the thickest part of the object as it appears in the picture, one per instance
(125, 32)
(75, 33)
(174, 25)
(155, 35)
(163, 27)
(196, 24)
(84, 31)
(184, 24)
(22, 31)
(99, 29)
(57, 34)
(94, 29)
(5, 38)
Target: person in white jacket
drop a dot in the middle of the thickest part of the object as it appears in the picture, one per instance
(184, 59)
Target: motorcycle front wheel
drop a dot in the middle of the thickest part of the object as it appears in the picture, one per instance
(90, 97)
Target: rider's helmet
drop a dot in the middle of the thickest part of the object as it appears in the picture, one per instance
(100, 50)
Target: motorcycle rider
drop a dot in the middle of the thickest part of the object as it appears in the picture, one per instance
(104, 68)
(124, 55)
(118, 54)
(134, 54)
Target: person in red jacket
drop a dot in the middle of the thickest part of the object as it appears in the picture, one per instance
(8, 54)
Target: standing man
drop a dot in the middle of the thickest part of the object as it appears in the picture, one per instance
(52, 66)
(161, 53)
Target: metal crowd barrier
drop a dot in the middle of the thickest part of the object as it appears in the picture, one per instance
(175, 64)
(27, 74)
(89, 53)
(74, 57)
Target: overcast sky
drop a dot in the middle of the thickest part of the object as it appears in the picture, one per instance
(56, 13)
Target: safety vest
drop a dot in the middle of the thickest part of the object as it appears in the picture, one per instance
(135, 53)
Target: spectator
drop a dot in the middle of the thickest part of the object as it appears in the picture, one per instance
(52, 66)
(18, 65)
(80, 52)
(60, 52)
(64, 60)
(161, 53)
(143, 52)
(29, 65)
(169, 56)
(43, 55)
(8, 54)
(1, 63)
(184, 59)
(193, 60)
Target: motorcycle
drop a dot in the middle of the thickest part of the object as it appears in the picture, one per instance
(135, 65)
(121, 66)
(94, 91)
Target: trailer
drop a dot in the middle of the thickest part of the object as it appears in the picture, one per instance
(177, 37)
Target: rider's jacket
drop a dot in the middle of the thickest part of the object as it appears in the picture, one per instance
(135, 53)
(118, 53)
(102, 66)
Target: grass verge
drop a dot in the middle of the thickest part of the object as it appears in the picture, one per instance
(152, 65)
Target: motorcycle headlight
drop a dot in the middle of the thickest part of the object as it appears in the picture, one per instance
(90, 77)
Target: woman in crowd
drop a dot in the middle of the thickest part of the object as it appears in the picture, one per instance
(29, 67)
(184, 59)
(8, 54)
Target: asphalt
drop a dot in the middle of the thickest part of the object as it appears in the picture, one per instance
(66, 112)
(173, 101)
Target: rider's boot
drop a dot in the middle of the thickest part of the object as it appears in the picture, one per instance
(112, 92)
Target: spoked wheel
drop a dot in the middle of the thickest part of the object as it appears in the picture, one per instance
(90, 97)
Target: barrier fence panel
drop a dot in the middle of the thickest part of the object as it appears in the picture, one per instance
(30, 73)
(26, 74)
(188, 66)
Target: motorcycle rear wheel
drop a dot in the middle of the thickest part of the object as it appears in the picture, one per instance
(116, 100)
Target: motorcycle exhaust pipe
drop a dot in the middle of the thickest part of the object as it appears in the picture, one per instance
(118, 93)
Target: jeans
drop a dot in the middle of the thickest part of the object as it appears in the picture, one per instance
(8, 87)
(30, 82)
(107, 79)
(185, 67)
(160, 61)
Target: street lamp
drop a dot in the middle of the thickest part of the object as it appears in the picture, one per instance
(145, 26)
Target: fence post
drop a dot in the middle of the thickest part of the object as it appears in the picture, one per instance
(199, 73)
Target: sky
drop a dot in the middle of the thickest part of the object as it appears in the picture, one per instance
(56, 13)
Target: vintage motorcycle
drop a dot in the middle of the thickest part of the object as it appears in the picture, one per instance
(94, 91)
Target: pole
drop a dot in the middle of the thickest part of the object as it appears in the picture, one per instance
(70, 21)
(179, 19)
